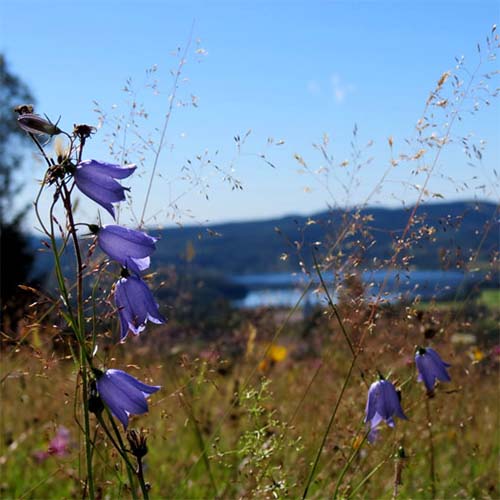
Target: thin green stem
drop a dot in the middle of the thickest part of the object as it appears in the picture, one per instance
(80, 326)
(327, 431)
(120, 449)
(175, 86)
(86, 420)
(292, 419)
(367, 478)
(333, 307)
(432, 466)
(199, 438)
(130, 467)
(348, 464)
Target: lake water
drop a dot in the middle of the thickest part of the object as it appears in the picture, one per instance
(284, 290)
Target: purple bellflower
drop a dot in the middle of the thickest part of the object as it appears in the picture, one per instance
(135, 304)
(128, 247)
(123, 394)
(382, 404)
(97, 181)
(430, 368)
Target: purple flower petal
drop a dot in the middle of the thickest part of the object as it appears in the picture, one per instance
(136, 305)
(128, 380)
(382, 404)
(371, 403)
(97, 181)
(392, 401)
(108, 169)
(128, 247)
(123, 394)
(430, 367)
(425, 371)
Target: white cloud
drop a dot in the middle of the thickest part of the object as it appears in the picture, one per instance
(340, 89)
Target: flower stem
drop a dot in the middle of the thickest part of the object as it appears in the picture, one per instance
(333, 307)
(120, 448)
(327, 431)
(432, 467)
(171, 104)
(140, 475)
(80, 334)
(86, 419)
(348, 464)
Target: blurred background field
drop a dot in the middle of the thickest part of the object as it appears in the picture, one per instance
(313, 172)
(262, 415)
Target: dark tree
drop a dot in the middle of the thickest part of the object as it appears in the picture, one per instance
(16, 258)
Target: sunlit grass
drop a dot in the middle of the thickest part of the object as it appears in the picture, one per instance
(261, 431)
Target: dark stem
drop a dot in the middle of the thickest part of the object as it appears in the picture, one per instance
(140, 475)
(40, 147)
(120, 448)
(398, 475)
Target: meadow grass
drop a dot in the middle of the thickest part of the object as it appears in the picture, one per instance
(260, 420)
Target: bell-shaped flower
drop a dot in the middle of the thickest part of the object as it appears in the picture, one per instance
(97, 181)
(128, 247)
(430, 368)
(382, 404)
(123, 394)
(35, 124)
(135, 304)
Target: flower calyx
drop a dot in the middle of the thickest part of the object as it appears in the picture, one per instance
(138, 443)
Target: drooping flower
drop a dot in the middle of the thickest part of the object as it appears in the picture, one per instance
(123, 394)
(430, 367)
(135, 304)
(97, 181)
(35, 124)
(382, 404)
(128, 247)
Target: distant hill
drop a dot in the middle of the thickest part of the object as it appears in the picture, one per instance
(450, 233)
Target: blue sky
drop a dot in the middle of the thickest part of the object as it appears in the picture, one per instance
(284, 69)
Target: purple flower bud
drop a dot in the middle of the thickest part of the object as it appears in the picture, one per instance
(382, 404)
(128, 247)
(97, 181)
(136, 306)
(35, 124)
(430, 367)
(123, 394)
